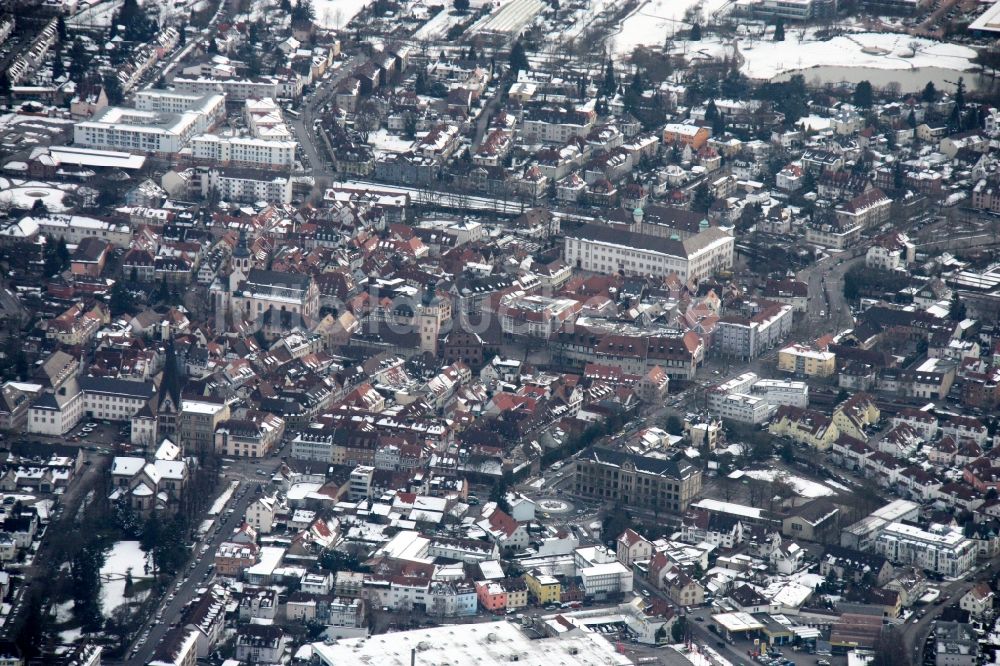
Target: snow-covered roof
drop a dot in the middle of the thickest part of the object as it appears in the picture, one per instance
(126, 465)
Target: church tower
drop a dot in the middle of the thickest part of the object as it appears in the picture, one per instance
(240, 263)
(429, 319)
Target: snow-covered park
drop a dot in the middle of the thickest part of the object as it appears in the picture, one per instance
(24, 194)
(335, 14)
(656, 20)
(802, 487)
(125, 558)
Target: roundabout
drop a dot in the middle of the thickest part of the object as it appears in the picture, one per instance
(554, 506)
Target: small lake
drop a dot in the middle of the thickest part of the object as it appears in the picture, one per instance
(909, 80)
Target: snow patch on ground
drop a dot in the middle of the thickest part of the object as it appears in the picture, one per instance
(223, 499)
(802, 487)
(838, 486)
(810, 580)
(656, 20)
(124, 557)
(63, 611)
(583, 17)
(70, 636)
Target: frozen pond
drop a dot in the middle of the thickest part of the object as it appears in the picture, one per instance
(910, 80)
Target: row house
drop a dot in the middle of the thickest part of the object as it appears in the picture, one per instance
(805, 426)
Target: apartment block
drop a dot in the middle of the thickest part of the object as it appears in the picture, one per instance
(940, 548)
(807, 361)
(151, 129)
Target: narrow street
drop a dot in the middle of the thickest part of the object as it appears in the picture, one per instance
(828, 310)
(305, 132)
(483, 122)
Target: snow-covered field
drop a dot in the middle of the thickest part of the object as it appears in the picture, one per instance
(583, 17)
(437, 27)
(654, 21)
(767, 59)
(24, 195)
(802, 487)
(123, 558)
(384, 141)
(335, 14)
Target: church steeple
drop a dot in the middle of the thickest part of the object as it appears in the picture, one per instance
(170, 384)
(168, 398)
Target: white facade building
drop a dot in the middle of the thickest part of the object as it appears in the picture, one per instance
(750, 399)
(941, 549)
(248, 185)
(150, 131)
(74, 228)
(243, 151)
(233, 89)
(94, 397)
(782, 392)
(743, 408)
(603, 580)
(890, 253)
(213, 106)
(603, 249)
(315, 446)
(261, 513)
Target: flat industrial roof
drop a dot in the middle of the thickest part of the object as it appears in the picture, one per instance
(737, 622)
(96, 158)
(988, 21)
(487, 644)
(270, 558)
